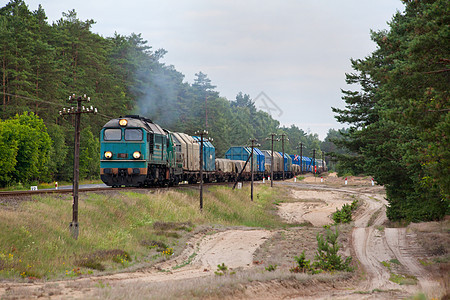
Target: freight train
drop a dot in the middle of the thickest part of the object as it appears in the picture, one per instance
(136, 152)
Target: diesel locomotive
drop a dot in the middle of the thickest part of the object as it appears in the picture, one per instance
(136, 152)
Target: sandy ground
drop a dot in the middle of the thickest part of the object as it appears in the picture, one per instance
(315, 207)
(371, 244)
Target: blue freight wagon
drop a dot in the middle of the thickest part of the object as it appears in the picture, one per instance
(307, 164)
(209, 155)
(287, 162)
(261, 160)
(242, 153)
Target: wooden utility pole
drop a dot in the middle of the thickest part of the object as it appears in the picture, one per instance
(283, 135)
(300, 146)
(77, 111)
(301, 157)
(272, 135)
(252, 164)
(314, 161)
(202, 135)
(323, 162)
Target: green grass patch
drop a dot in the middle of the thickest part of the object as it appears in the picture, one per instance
(403, 279)
(118, 230)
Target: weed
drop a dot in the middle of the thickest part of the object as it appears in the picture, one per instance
(186, 226)
(380, 228)
(155, 244)
(101, 285)
(122, 258)
(403, 279)
(91, 263)
(303, 265)
(186, 262)
(271, 268)
(386, 264)
(93, 260)
(168, 252)
(425, 262)
(75, 272)
(223, 270)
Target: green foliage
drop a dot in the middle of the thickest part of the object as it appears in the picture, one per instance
(344, 215)
(303, 265)
(89, 155)
(8, 152)
(24, 141)
(400, 119)
(271, 268)
(327, 257)
(222, 269)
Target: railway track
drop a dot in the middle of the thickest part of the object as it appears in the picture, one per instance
(16, 194)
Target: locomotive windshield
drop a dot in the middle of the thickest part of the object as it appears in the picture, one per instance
(133, 135)
(112, 134)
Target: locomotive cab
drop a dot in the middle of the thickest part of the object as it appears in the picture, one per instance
(133, 152)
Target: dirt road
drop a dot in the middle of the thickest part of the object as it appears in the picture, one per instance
(386, 255)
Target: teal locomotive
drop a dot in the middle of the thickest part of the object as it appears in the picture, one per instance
(137, 152)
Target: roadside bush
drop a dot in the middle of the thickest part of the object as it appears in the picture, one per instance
(344, 215)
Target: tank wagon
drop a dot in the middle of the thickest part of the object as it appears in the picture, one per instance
(134, 151)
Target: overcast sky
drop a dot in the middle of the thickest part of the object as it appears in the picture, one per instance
(295, 52)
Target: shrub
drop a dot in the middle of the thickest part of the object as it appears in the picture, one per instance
(327, 257)
(344, 215)
(303, 265)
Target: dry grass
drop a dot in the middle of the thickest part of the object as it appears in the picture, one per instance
(35, 241)
(219, 287)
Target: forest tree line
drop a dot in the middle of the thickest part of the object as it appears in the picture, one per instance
(42, 64)
(400, 121)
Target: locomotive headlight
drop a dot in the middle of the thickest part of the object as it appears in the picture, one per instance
(123, 122)
(108, 154)
(136, 155)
